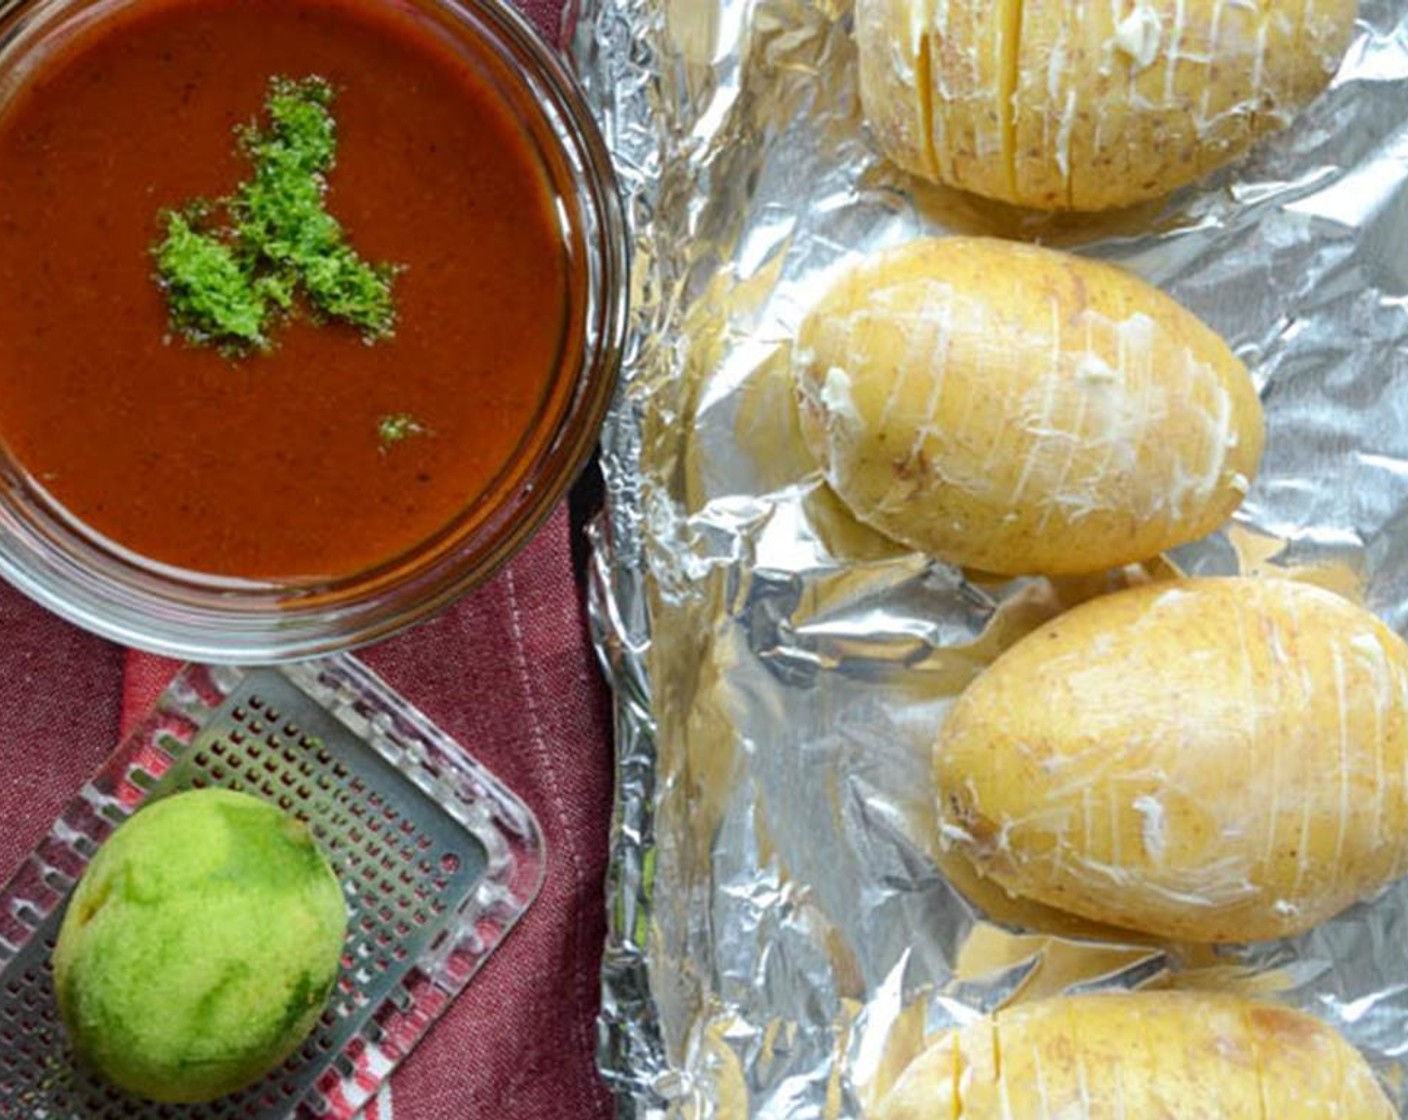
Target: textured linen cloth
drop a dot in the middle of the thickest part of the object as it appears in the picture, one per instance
(509, 673)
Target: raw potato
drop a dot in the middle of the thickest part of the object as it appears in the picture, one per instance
(1088, 104)
(1022, 411)
(1122, 1056)
(1207, 760)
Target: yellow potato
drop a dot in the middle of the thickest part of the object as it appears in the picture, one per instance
(1139, 1055)
(1088, 104)
(1020, 410)
(1207, 760)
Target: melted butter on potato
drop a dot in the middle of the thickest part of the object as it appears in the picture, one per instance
(1087, 104)
(1021, 411)
(1127, 1055)
(1206, 760)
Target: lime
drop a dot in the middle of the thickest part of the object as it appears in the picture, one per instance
(200, 947)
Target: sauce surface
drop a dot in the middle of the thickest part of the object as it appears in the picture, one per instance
(271, 466)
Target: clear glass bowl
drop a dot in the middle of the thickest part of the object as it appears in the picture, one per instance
(105, 589)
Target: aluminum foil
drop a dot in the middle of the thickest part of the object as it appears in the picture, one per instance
(784, 932)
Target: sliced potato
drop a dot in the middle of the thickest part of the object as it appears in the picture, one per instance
(1127, 1055)
(1020, 411)
(1076, 105)
(1207, 760)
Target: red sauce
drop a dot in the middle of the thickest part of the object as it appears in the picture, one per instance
(271, 466)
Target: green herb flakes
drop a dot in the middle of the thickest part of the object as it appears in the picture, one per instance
(232, 269)
(397, 427)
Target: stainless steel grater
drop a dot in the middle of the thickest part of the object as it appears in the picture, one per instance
(437, 862)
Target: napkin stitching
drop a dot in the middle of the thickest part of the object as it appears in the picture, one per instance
(540, 744)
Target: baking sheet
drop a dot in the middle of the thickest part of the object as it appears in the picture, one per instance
(783, 932)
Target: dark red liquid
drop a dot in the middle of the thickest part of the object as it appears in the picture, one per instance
(270, 467)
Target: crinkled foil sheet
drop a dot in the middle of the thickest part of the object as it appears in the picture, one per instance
(783, 933)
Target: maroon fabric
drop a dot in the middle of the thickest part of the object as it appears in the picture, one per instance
(509, 673)
(60, 701)
(550, 16)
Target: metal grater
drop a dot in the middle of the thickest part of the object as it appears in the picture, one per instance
(437, 861)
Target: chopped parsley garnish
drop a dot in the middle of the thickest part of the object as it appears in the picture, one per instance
(232, 269)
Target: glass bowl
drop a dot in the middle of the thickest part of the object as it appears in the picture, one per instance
(95, 583)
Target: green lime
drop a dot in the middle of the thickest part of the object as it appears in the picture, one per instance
(200, 947)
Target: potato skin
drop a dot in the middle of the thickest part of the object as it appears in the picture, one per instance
(1207, 760)
(1112, 1056)
(1072, 105)
(1021, 411)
